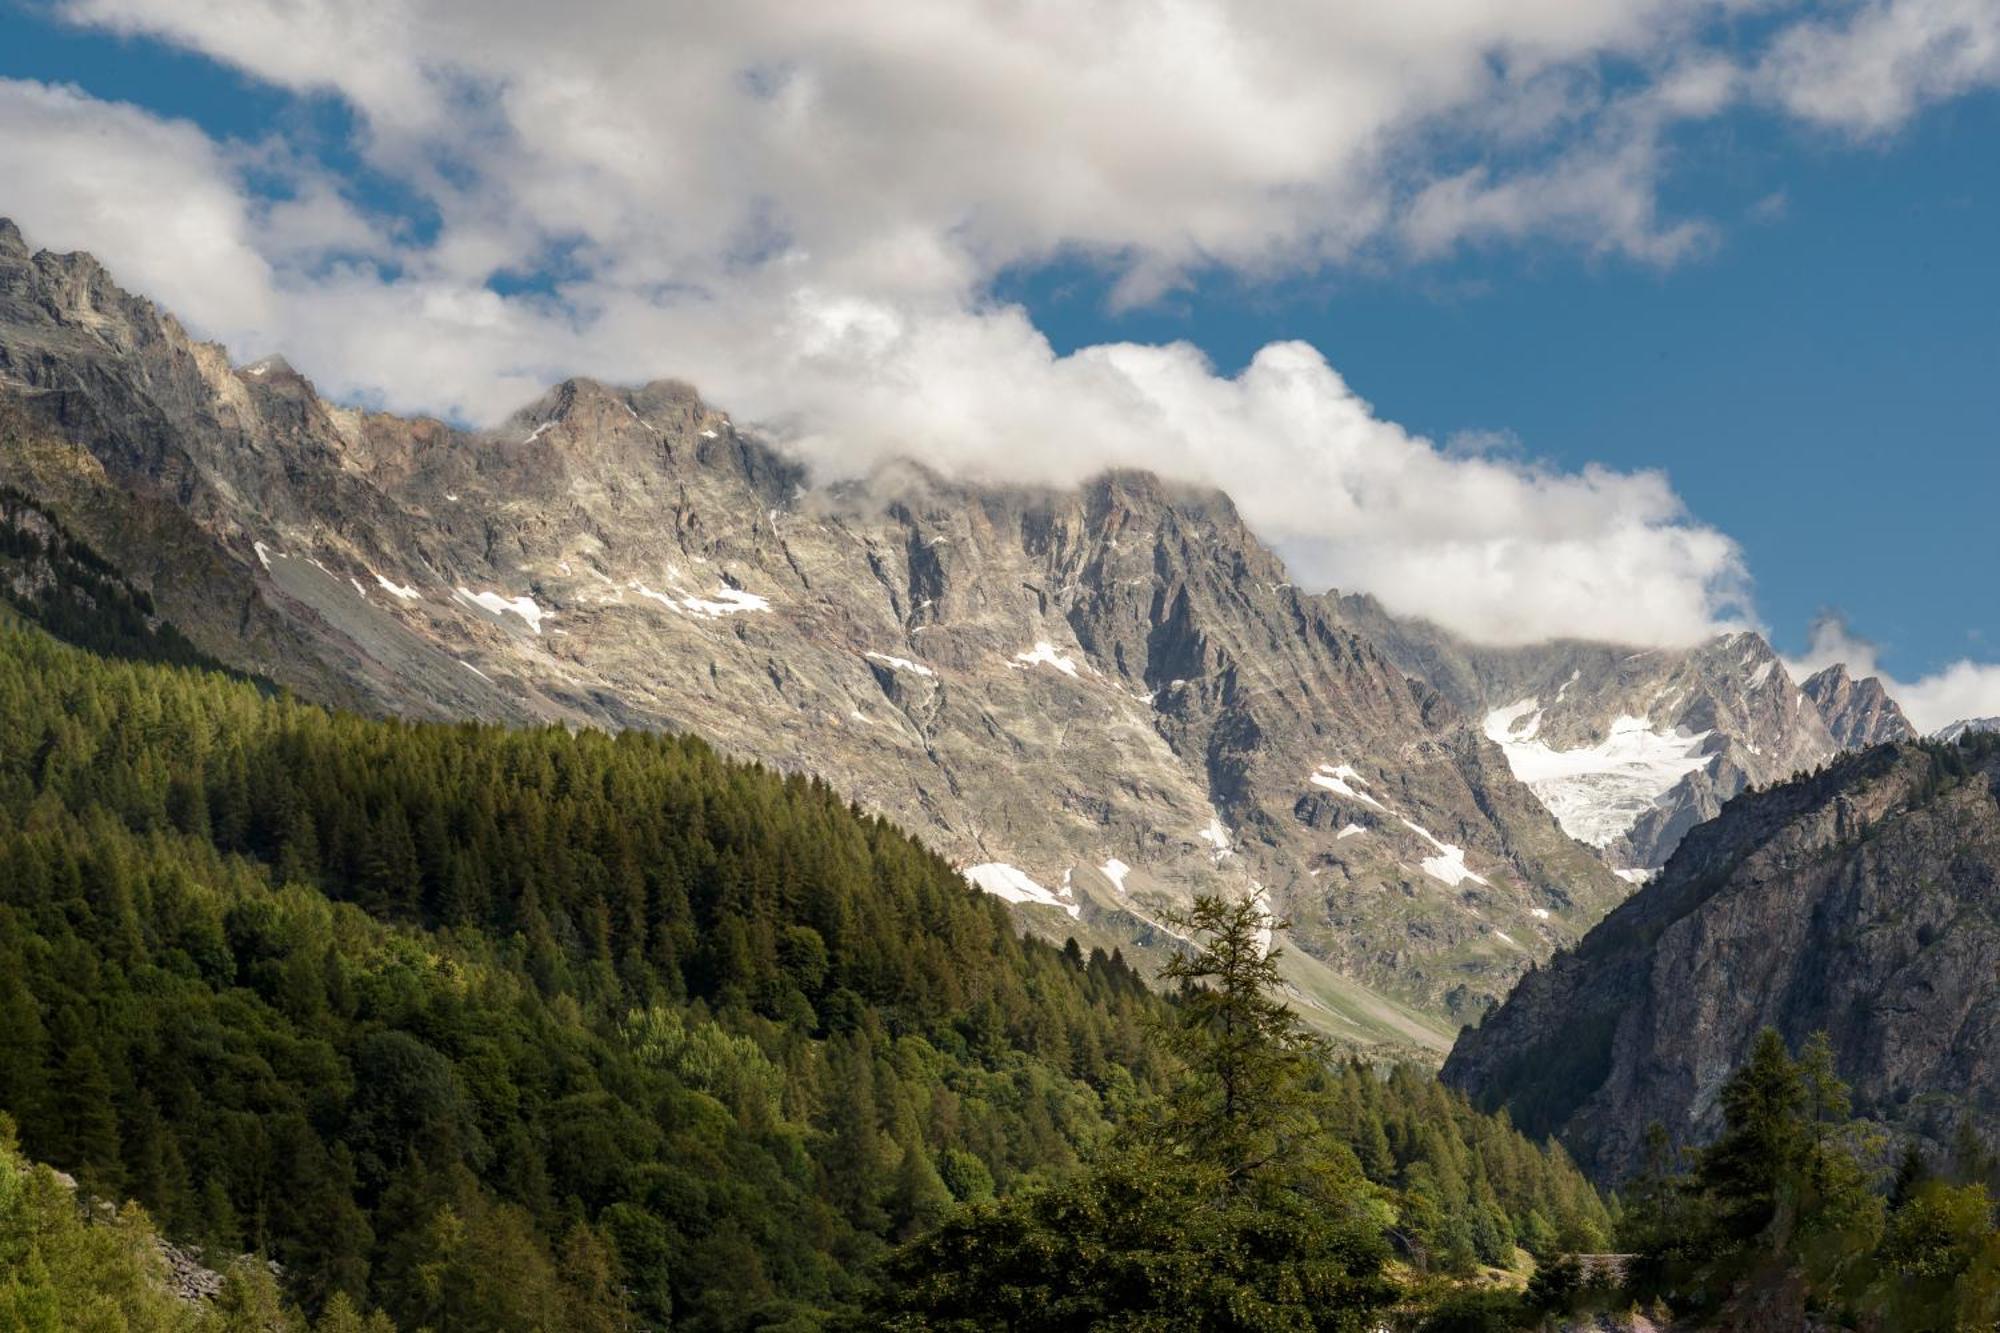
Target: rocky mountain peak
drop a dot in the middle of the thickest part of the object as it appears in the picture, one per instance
(1857, 713)
(1628, 747)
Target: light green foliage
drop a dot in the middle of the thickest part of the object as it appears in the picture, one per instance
(69, 1264)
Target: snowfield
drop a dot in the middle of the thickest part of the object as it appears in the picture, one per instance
(1596, 792)
(1013, 885)
(1340, 779)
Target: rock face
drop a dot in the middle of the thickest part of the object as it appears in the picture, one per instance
(1100, 701)
(1860, 901)
(1629, 748)
(1857, 713)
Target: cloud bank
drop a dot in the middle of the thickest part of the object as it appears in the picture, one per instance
(804, 209)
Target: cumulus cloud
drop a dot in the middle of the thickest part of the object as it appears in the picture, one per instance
(803, 209)
(1959, 690)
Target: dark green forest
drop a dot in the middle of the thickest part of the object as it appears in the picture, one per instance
(481, 1028)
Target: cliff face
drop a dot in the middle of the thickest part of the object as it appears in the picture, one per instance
(1858, 713)
(1863, 901)
(1100, 701)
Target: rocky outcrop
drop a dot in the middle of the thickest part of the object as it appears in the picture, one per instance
(1859, 901)
(1100, 701)
(1857, 713)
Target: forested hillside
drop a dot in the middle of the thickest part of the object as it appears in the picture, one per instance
(534, 1029)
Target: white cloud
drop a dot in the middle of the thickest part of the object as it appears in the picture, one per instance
(802, 209)
(1871, 68)
(1959, 690)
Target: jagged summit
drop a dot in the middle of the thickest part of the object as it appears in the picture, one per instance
(1858, 713)
(1629, 747)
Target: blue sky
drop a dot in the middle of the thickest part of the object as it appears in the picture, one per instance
(1759, 259)
(1824, 385)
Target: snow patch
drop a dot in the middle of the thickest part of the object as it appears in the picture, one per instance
(900, 664)
(1216, 836)
(1013, 885)
(1044, 654)
(726, 601)
(662, 598)
(1349, 831)
(1116, 870)
(1539, 913)
(1633, 876)
(1760, 675)
(1339, 778)
(524, 606)
(1518, 721)
(536, 433)
(475, 671)
(264, 554)
(1448, 866)
(400, 591)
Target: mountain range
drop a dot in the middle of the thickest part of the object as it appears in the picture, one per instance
(1096, 702)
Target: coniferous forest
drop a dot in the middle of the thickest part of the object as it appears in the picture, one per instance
(475, 1028)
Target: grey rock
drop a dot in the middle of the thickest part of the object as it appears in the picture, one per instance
(1644, 744)
(1857, 713)
(1859, 901)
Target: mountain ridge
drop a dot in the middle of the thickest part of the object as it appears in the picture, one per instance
(1099, 701)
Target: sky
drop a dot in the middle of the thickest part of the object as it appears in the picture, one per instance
(1619, 319)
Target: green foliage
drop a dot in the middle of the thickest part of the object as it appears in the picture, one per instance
(514, 1022)
(1257, 1193)
(1791, 1198)
(1228, 1206)
(556, 1031)
(72, 1265)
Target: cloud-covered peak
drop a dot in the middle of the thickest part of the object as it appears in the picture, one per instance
(804, 210)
